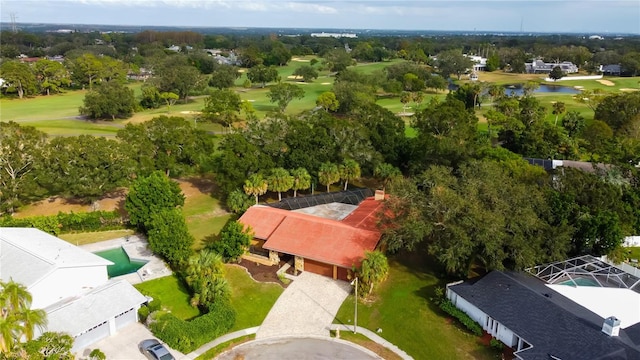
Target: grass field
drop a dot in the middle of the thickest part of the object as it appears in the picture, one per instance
(93, 237)
(423, 332)
(173, 295)
(251, 300)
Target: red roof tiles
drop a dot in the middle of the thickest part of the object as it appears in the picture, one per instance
(341, 243)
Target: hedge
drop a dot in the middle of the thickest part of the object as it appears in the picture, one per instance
(187, 336)
(63, 223)
(448, 307)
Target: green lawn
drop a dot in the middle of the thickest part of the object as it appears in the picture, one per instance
(173, 295)
(408, 319)
(251, 300)
(93, 237)
(634, 253)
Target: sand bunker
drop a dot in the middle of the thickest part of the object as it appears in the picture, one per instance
(629, 89)
(190, 112)
(299, 60)
(578, 87)
(606, 82)
(293, 77)
(326, 84)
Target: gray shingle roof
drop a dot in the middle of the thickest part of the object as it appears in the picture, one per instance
(553, 324)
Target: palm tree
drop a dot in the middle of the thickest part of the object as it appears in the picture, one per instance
(255, 185)
(558, 108)
(280, 181)
(16, 317)
(349, 170)
(301, 180)
(385, 172)
(374, 269)
(205, 276)
(328, 174)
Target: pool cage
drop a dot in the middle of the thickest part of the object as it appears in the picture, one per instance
(587, 267)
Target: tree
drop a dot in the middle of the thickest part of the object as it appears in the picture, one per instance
(224, 76)
(405, 99)
(238, 201)
(150, 195)
(262, 74)
(255, 185)
(590, 97)
(556, 73)
(283, 93)
(301, 180)
(280, 181)
(338, 60)
(169, 236)
(453, 62)
(18, 77)
(558, 108)
(174, 74)
(621, 112)
(86, 69)
(328, 174)
(493, 62)
(573, 123)
(17, 319)
(436, 82)
(110, 100)
(204, 274)
(327, 100)
(51, 75)
(349, 171)
(307, 72)
(222, 106)
(85, 167)
(170, 98)
(21, 149)
(385, 173)
(234, 241)
(49, 345)
(167, 143)
(374, 270)
(630, 63)
(150, 97)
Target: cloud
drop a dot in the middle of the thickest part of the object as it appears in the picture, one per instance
(310, 8)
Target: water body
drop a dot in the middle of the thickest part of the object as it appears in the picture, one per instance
(122, 265)
(517, 89)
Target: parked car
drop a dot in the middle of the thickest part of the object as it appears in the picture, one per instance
(154, 350)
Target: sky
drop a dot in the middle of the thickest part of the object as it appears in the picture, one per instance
(584, 16)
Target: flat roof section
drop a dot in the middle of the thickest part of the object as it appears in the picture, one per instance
(333, 211)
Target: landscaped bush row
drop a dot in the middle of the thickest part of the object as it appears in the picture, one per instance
(69, 222)
(448, 307)
(187, 336)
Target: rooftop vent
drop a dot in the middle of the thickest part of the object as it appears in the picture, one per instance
(611, 326)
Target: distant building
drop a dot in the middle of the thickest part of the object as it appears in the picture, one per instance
(479, 62)
(596, 37)
(611, 69)
(541, 67)
(334, 35)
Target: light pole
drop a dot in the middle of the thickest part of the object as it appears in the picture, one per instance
(355, 317)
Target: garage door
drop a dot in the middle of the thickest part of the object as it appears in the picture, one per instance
(343, 274)
(126, 318)
(96, 333)
(318, 268)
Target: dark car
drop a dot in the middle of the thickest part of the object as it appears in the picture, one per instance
(154, 350)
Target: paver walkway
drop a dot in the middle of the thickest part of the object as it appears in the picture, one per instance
(307, 307)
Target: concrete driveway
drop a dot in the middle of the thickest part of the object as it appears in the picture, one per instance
(124, 344)
(306, 307)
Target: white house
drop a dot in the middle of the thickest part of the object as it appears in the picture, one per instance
(69, 283)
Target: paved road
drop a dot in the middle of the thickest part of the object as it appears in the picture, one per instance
(307, 307)
(299, 349)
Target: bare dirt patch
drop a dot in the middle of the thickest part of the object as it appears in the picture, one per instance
(263, 273)
(113, 201)
(606, 82)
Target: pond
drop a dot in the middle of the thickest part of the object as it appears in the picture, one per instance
(516, 89)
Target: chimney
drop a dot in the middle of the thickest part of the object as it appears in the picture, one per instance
(611, 326)
(379, 195)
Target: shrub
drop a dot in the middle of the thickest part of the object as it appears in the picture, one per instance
(63, 223)
(186, 336)
(448, 307)
(143, 313)
(496, 344)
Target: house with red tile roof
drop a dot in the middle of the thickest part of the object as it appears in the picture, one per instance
(320, 245)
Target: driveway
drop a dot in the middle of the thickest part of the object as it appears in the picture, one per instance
(307, 307)
(124, 344)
